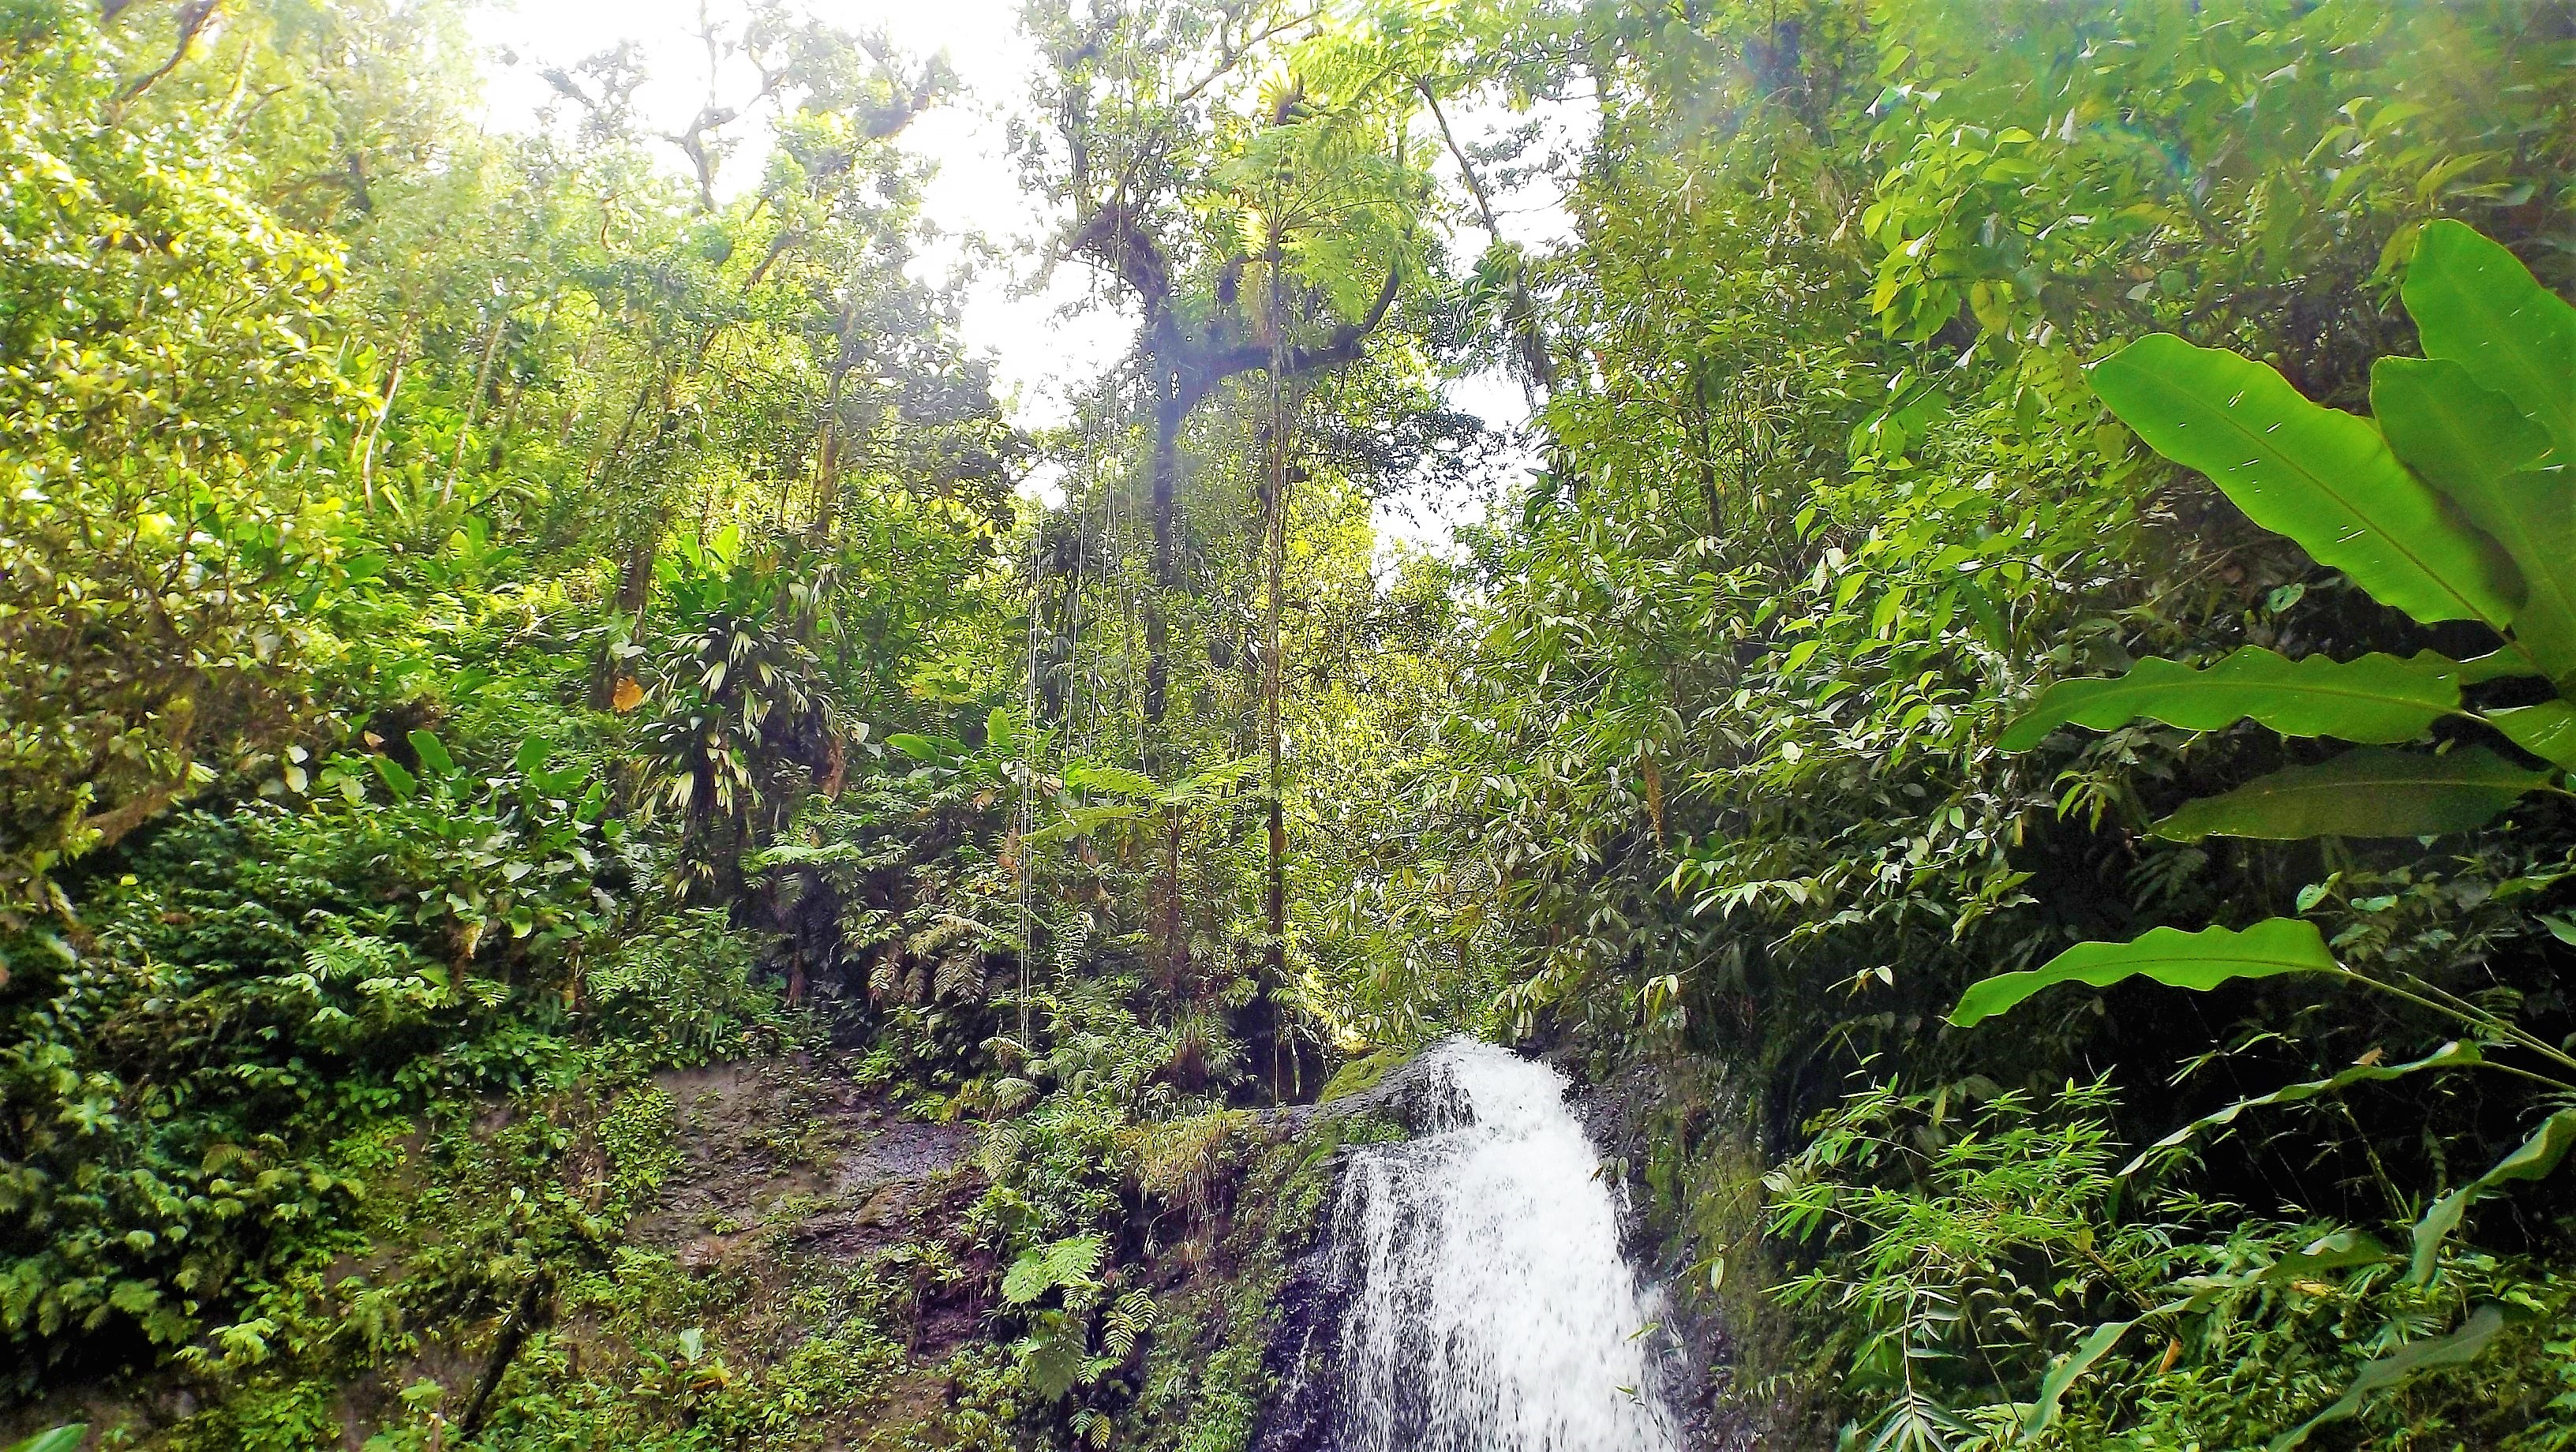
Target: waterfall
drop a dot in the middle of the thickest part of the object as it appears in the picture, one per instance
(1491, 1309)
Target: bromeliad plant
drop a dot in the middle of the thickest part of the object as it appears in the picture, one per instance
(2454, 503)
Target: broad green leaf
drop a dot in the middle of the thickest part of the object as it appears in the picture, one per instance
(434, 759)
(2475, 303)
(1117, 779)
(2318, 475)
(2547, 730)
(2367, 792)
(2534, 1158)
(60, 1439)
(533, 751)
(997, 730)
(2062, 1372)
(2496, 665)
(2170, 956)
(2375, 698)
(2447, 427)
(919, 748)
(2473, 444)
(2449, 1056)
(2457, 1349)
(2541, 504)
(397, 779)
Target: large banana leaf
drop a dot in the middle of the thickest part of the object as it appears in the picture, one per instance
(2449, 1056)
(2472, 443)
(2367, 792)
(2534, 1158)
(2170, 956)
(2547, 730)
(2376, 698)
(2399, 1367)
(2318, 475)
(2474, 302)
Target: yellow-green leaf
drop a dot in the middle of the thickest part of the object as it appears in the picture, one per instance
(2547, 730)
(2321, 476)
(2474, 302)
(2473, 444)
(2170, 956)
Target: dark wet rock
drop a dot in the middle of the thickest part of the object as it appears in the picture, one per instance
(1415, 1094)
(1620, 1113)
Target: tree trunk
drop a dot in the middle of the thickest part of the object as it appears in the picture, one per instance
(634, 592)
(1275, 893)
(1167, 574)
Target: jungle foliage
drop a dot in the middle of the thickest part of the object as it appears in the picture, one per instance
(2017, 676)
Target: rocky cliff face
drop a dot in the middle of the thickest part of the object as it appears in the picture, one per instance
(1625, 1112)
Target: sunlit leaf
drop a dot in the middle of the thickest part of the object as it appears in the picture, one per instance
(2170, 956)
(1117, 779)
(1202, 785)
(2475, 303)
(433, 755)
(1082, 821)
(2473, 444)
(1043, 1268)
(2321, 476)
(2547, 730)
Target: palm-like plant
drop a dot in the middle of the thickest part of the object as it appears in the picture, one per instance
(2453, 503)
(746, 722)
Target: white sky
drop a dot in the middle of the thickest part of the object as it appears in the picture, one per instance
(1044, 344)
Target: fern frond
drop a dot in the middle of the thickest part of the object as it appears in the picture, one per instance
(1128, 1321)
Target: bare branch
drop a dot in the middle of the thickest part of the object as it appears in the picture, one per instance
(193, 18)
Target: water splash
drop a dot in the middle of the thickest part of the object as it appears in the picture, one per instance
(1493, 1311)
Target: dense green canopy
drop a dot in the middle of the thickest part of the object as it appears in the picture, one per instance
(2013, 696)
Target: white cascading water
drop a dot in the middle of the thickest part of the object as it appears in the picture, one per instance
(1492, 1309)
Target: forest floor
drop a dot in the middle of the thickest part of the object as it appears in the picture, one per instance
(786, 1183)
(787, 1156)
